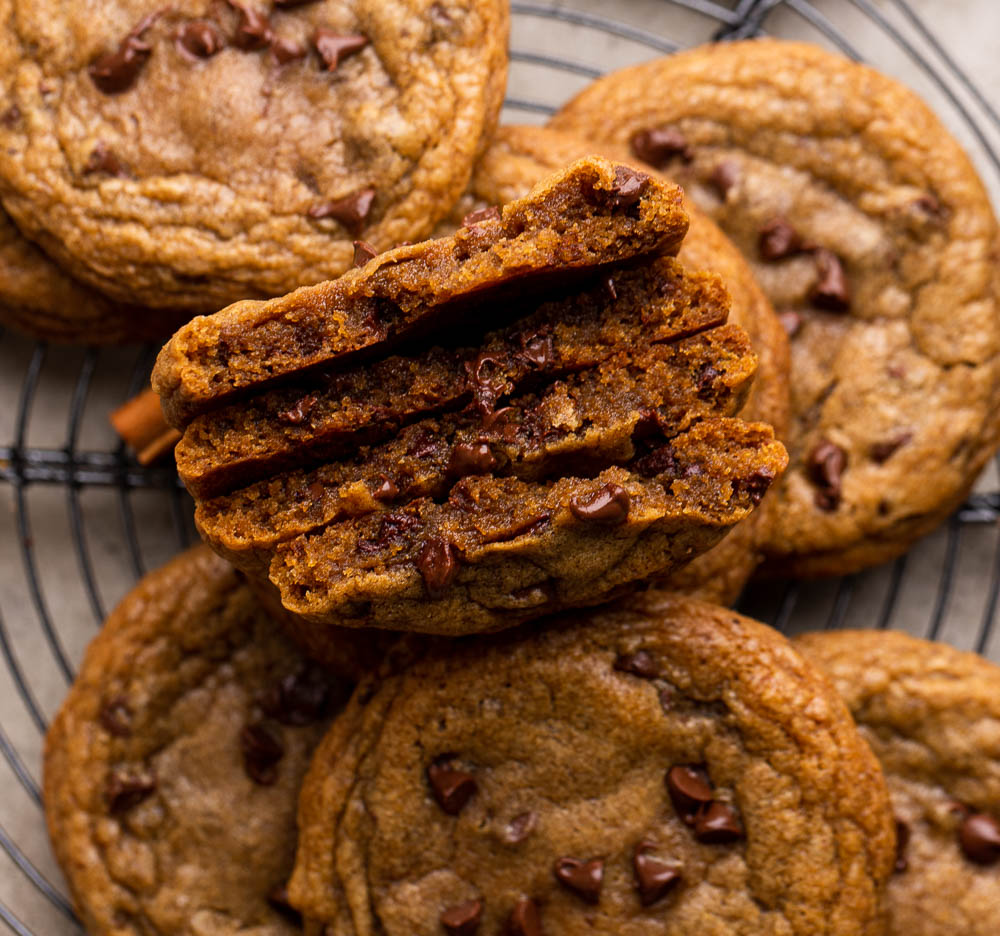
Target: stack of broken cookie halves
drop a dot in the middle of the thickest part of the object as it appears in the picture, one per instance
(455, 659)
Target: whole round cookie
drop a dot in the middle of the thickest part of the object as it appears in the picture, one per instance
(867, 227)
(518, 157)
(39, 300)
(173, 768)
(932, 716)
(659, 767)
(190, 155)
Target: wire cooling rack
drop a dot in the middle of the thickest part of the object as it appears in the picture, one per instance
(84, 521)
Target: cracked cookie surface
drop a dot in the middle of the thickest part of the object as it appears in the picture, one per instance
(931, 714)
(173, 768)
(658, 767)
(867, 227)
(193, 154)
(518, 156)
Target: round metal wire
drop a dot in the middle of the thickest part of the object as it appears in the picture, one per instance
(85, 521)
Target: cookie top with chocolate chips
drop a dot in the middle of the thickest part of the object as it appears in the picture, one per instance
(662, 766)
(192, 154)
(518, 156)
(173, 767)
(871, 234)
(931, 714)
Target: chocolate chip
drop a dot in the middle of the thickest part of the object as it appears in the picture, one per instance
(253, 31)
(463, 919)
(299, 412)
(11, 116)
(278, 900)
(489, 213)
(481, 377)
(452, 788)
(316, 490)
(979, 836)
(777, 240)
(724, 176)
(363, 252)
(756, 485)
(706, 381)
(689, 791)
(115, 72)
(261, 753)
(394, 528)
(647, 425)
(882, 451)
(538, 350)
(718, 825)
(639, 663)
(102, 160)
(629, 186)
(654, 878)
(438, 565)
(352, 211)
(930, 206)
(424, 443)
(583, 878)
(825, 466)
(519, 828)
(116, 717)
(831, 291)
(333, 47)
(387, 490)
(661, 461)
(287, 50)
(525, 919)
(658, 147)
(902, 840)
(471, 459)
(126, 788)
(304, 696)
(608, 505)
(200, 38)
(791, 321)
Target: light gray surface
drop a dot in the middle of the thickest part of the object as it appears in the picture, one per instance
(967, 28)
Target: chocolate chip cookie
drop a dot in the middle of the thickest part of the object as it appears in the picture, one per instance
(193, 154)
(932, 716)
(585, 443)
(663, 766)
(517, 158)
(173, 767)
(577, 222)
(870, 232)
